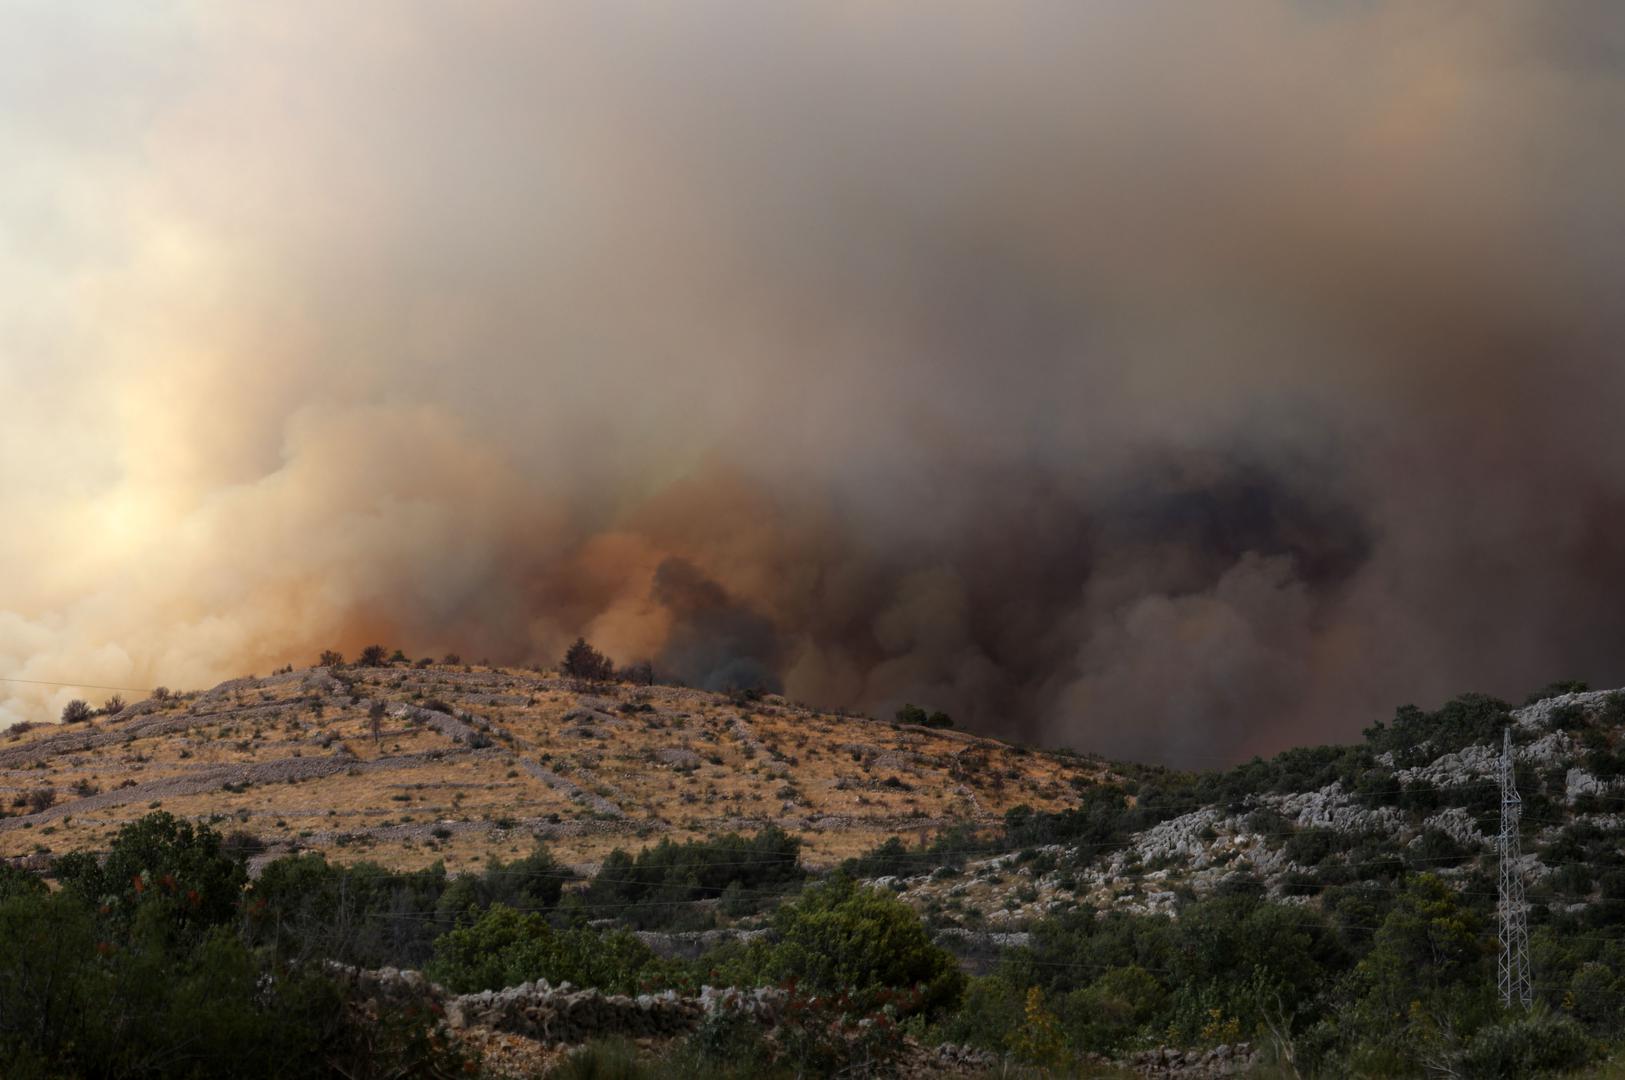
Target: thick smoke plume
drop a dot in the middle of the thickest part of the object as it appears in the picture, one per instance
(1173, 381)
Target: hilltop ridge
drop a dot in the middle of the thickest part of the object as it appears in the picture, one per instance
(406, 765)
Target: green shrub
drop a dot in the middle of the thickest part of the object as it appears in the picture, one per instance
(17, 882)
(840, 936)
(506, 947)
(1567, 718)
(1101, 824)
(1436, 848)
(660, 884)
(1314, 846)
(306, 908)
(160, 861)
(1557, 689)
(1537, 1044)
(990, 1008)
(913, 714)
(892, 858)
(1415, 735)
(533, 883)
(1105, 1016)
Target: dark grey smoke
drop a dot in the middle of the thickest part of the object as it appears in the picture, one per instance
(1173, 381)
(715, 642)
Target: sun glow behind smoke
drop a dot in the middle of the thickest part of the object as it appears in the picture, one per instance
(1179, 384)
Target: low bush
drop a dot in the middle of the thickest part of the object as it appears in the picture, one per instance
(840, 937)
(1538, 1044)
(659, 885)
(913, 714)
(507, 947)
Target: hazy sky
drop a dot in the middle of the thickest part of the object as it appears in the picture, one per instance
(1173, 380)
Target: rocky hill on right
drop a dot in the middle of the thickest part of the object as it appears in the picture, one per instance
(1312, 825)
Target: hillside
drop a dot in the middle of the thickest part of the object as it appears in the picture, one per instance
(1419, 795)
(1330, 911)
(467, 765)
(408, 765)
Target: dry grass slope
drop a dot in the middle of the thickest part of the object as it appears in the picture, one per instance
(466, 764)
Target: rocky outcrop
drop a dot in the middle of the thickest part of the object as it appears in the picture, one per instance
(678, 757)
(1578, 782)
(1469, 764)
(1177, 838)
(571, 788)
(1549, 749)
(1331, 807)
(954, 937)
(1457, 824)
(745, 735)
(951, 1057)
(452, 727)
(1538, 717)
(1227, 1059)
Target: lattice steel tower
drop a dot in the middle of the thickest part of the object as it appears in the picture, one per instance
(1513, 969)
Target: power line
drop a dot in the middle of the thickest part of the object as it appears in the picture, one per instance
(79, 685)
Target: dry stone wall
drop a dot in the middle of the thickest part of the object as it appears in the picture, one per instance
(564, 1013)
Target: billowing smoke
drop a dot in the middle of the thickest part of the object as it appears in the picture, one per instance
(1172, 381)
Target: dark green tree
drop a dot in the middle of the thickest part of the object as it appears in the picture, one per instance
(840, 936)
(582, 661)
(160, 861)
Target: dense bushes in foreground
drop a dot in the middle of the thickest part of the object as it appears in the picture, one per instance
(137, 967)
(162, 959)
(1416, 997)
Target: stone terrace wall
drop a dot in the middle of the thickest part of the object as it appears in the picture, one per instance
(563, 1013)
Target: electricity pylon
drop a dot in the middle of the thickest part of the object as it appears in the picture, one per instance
(1512, 972)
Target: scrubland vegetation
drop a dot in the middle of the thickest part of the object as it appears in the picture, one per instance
(1363, 952)
(163, 958)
